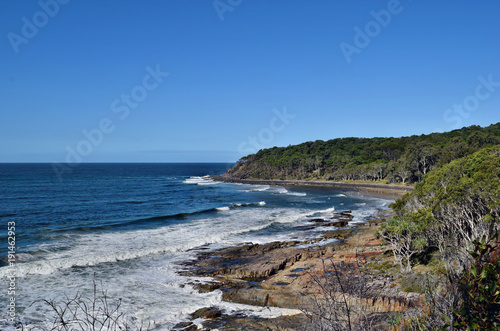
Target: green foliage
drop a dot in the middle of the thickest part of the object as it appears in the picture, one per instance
(402, 226)
(456, 197)
(479, 286)
(385, 266)
(429, 257)
(406, 239)
(414, 282)
(405, 159)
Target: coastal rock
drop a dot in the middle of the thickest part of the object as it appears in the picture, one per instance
(338, 220)
(337, 224)
(273, 296)
(207, 313)
(206, 287)
(387, 304)
(248, 296)
(281, 275)
(185, 326)
(236, 322)
(247, 261)
(337, 234)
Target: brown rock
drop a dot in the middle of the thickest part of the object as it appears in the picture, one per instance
(338, 224)
(207, 313)
(185, 326)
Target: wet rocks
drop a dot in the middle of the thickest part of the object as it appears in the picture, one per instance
(281, 274)
(205, 313)
(185, 326)
(238, 322)
(338, 220)
(252, 261)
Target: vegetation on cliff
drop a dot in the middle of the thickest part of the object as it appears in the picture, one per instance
(454, 214)
(404, 159)
(451, 207)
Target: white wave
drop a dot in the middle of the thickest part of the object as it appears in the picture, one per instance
(263, 312)
(328, 211)
(303, 216)
(257, 188)
(111, 247)
(260, 203)
(318, 243)
(282, 190)
(24, 257)
(200, 180)
(297, 194)
(339, 195)
(367, 209)
(115, 247)
(276, 189)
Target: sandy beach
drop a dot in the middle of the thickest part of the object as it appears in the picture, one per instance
(373, 188)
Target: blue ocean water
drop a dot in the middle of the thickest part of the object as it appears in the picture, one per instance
(130, 226)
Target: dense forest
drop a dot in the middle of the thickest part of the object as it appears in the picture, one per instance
(394, 160)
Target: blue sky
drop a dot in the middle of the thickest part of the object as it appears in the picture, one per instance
(196, 81)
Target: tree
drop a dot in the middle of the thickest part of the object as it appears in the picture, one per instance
(402, 170)
(97, 313)
(479, 287)
(427, 155)
(340, 298)
(406, 239)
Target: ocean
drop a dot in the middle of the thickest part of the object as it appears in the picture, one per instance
(130, 226)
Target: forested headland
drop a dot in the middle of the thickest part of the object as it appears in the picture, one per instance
(448, 226)
(393, 160)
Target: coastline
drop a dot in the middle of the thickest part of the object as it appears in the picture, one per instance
(375, 188)
(281, 274)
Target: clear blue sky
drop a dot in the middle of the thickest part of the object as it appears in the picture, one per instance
(232, 67)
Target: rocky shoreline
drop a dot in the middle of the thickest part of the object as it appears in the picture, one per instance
(283, 274)
(383, 189)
